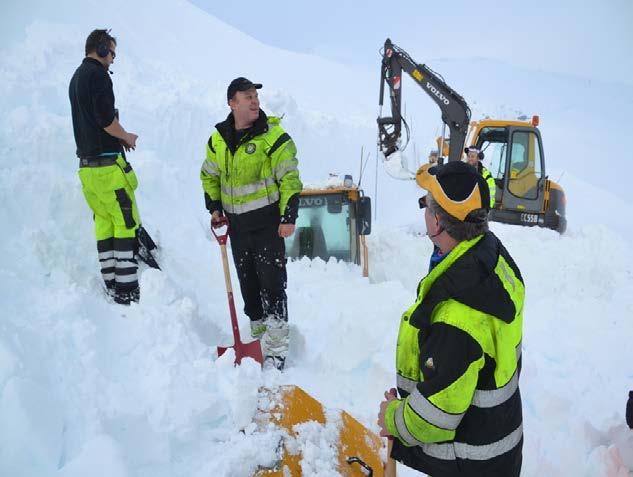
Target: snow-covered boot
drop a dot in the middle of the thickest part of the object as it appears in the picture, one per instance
(275, 342)
(276, 362)
(257, 328)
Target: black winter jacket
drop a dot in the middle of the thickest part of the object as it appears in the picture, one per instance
(92, 105)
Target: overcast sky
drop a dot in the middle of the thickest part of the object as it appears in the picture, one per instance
(585, 39)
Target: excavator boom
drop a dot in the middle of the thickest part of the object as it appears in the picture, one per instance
(455, 110)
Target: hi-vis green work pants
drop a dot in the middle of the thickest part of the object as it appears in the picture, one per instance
(108, 184)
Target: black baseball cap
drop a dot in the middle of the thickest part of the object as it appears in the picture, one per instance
(457, 187)
(240, 84)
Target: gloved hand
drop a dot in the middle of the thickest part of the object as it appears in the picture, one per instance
(629, 410)
(218, 220)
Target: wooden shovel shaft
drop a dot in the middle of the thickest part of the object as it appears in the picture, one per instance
(229, 291)
(390, 466)
(363, 243)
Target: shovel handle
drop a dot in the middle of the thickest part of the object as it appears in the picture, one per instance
(390, 465)
(221, 222)
(229, 292)
(227, 274)
(222, 238)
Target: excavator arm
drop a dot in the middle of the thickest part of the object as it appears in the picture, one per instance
(455, 110)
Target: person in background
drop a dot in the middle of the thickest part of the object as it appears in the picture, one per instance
(629, 410)
(457, 411)
(251, 177)
(107, 178)
(474, 157)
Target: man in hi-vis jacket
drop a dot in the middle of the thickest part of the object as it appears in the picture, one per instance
(250, 175)
(458, 357)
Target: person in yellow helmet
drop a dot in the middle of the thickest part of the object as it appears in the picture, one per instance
(474, 157)
(457, 410)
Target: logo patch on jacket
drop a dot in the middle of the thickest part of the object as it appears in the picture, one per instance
(250, 148)
(429, 363)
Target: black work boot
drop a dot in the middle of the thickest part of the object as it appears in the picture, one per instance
(109, 290)
(127, 297)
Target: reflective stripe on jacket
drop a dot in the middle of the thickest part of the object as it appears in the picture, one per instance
(492, 186)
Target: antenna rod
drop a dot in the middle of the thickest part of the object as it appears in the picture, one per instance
(360, 172)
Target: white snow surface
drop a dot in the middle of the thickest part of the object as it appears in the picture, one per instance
(92, 388)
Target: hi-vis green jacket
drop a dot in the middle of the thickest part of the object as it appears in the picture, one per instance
(252, 176)
(485, 173)
(458, 363)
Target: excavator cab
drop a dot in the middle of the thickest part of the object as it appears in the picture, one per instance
(514, 156)
(332, 222)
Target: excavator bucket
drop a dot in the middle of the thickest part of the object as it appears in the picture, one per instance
(358, 448)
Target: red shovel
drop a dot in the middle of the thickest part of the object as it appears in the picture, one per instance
(242, 350)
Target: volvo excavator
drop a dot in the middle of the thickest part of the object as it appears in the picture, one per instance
(513, 148)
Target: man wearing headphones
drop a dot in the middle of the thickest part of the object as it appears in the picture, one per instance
(474, 157)
(107, 179)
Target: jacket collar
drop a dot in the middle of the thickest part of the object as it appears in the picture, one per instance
(458, 276)
(226, 129)
(88, 60)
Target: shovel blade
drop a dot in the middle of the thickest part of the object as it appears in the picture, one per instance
(245, 350)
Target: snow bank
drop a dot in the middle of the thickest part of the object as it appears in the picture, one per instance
(87, 387)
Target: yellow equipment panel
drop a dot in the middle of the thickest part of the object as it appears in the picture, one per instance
(294, 406)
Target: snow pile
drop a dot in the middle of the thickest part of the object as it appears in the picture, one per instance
(397, 166)
(91, 388)
(317, 444)
(334, 181)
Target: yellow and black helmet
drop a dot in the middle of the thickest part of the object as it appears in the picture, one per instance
(456, 186)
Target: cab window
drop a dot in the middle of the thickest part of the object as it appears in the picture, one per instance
(494, 143)
(322, 228)
(525, 165)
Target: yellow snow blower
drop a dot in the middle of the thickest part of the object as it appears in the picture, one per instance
(358, 449)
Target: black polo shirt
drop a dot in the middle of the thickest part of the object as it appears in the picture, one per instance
(92, 105)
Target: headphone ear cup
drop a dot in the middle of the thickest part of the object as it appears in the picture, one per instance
(102, 49)
(481, 155)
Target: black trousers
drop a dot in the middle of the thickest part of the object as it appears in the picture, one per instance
(260, 261)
